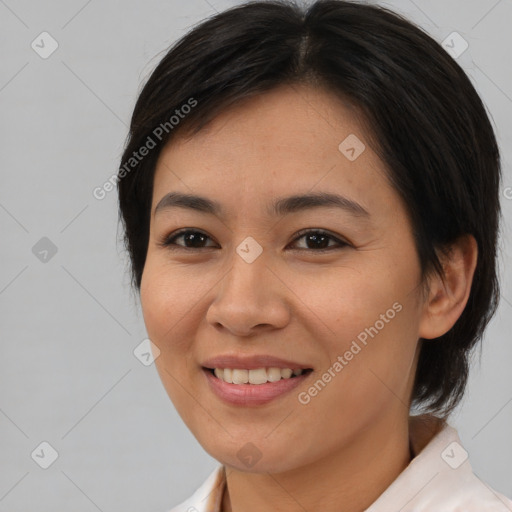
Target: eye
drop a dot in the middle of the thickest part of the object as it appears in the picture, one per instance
(319, 239)
(191, 236)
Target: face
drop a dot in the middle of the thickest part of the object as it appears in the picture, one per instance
(333, 288)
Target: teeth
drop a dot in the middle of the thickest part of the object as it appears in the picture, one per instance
(257, 376)
(228, 374)
(240, 376)
(286, 373)
(274, 374)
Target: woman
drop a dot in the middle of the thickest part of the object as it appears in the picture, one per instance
(310, 198)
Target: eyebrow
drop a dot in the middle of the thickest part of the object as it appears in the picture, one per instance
(279, 207)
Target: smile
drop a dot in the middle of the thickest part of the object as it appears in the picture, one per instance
(247, 387)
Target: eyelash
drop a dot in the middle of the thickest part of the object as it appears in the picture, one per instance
(168, 241)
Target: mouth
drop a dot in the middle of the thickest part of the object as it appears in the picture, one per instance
(254, 387)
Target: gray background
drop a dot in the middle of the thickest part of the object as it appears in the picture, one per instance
(69, 324)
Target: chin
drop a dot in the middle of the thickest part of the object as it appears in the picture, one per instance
(255, 456)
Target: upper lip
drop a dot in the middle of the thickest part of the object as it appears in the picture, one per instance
(251, 362)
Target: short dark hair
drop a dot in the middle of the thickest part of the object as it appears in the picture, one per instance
(422, 117)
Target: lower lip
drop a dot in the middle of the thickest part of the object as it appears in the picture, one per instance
(252, 394)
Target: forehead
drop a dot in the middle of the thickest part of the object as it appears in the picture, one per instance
(281, 119)
(289, 140)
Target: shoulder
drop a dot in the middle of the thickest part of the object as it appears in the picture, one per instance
(440, 477)
(462, 491)
(453, 485)
(208, 495)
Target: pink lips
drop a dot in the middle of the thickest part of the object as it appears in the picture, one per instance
(251, 362)
(251, 394)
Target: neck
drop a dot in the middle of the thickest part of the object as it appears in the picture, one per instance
(350, 478)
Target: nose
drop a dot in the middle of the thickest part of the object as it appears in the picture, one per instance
(250, 298)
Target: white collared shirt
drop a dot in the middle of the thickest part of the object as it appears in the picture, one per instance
(438, 479)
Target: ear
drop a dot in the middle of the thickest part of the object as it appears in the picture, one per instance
(448, 298)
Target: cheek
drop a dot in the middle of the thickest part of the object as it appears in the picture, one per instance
(167, 295)
(345, 300)
(369, 317)
(166, 307)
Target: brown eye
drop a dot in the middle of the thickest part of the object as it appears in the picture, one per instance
(318, 240)
(192, 239)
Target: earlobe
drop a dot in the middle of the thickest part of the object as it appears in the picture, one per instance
(448, 297)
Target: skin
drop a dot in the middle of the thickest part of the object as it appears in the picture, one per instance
(349, 443)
